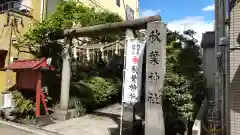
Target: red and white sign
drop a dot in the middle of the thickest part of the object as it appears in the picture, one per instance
(133, 70)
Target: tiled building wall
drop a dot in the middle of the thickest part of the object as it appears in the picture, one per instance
(234, 71)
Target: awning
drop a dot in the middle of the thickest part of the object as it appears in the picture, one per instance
(30, 64)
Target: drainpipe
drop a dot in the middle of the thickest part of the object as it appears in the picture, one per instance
(10, 42)
(227, 74)
(224, 83)
(223, 46)
(217, 32)
(43, 10)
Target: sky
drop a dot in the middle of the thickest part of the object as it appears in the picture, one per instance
(197, 15)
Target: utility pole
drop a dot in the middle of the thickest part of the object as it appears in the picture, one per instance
(217, 121)
(220, 53)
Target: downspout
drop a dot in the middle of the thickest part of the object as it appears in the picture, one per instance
(227, 92)
(10, 42)
(217, 37)
(223, 70)
(227, 73)
(43, 9)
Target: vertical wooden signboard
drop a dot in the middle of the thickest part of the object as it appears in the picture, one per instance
(155, 71)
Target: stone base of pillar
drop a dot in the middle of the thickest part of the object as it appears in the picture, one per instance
(127, 112)
(42, 120)
(65, 114)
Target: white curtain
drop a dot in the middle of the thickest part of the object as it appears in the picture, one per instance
(7, 103)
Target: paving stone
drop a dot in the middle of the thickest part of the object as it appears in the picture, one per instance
(98, 124)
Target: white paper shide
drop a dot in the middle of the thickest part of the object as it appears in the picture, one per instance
(133, 71)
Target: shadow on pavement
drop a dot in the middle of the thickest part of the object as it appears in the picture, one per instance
(128, 127)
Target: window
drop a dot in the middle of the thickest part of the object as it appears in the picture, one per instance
(3, 55)
(129, 13)
(5, 1)
(118, 2)
(16, 5)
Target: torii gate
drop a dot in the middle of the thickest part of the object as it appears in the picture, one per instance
(156, 33)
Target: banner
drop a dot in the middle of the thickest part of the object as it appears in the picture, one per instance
(133, 71)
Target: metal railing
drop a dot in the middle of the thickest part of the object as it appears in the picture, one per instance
(15, 6)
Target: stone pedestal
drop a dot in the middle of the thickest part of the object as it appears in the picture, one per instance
(65, 114)
(196, 129)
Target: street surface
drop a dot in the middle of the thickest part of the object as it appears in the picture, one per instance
(104, 123)
(9, 130)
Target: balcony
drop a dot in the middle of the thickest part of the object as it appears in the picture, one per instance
(15, 6)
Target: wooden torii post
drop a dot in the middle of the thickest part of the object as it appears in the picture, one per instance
(156, 32)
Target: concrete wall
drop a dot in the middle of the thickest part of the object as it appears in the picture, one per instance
(36, 6)
(208, 60)
(112, 6)
(51, 6)
(108, 5)
(7, 78)
(234, 86)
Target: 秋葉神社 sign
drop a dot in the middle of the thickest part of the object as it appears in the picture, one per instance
(155, 73)
(133, 71)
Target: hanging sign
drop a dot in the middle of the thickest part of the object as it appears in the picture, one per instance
(133, 71)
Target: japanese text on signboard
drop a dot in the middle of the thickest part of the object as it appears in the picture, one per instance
(133, 67)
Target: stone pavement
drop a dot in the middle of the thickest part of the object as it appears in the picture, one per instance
(9, 130)
(104, 122)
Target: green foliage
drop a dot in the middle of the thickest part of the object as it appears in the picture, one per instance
(92, 90)
(102, 89)
(75, 103)
(184, 83)
(68, 14)
(71, 14)
(24, 108)
(178, 96)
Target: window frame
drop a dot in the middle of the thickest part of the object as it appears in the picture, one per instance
(118, 3)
